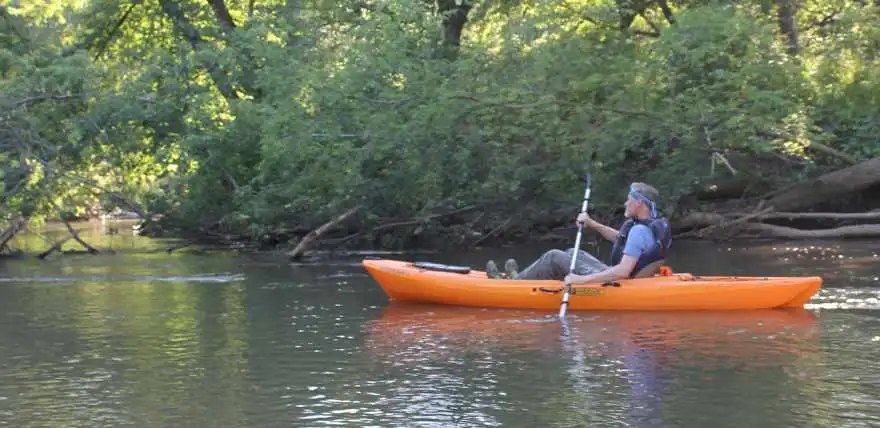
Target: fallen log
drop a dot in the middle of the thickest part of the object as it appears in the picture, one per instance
(819, 147)
(870, 215)
(402, 223)
(55, 247)
(704, 219)
(827, 187)
(312, 236)
(763, 230)
(749, 225)
(696, 220)
(16, 225)
(75, 236)
(495, 230)
(717, 221)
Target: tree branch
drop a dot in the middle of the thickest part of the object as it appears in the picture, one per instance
(113, 30)
(189, 31)
(309, 239)
(30, 101)
(15, 226)
(76, 237)
(222, 14)
(667, 12)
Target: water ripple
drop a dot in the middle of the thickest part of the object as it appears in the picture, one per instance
(846, 298)
(325, 349)
(213, 277)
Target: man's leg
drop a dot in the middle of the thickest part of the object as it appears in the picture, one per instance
(554, 264)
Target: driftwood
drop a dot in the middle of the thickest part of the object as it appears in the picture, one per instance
(495, 230)
(764, 230)
(706, 222)
(702, 219)
(16, 225)
(313, 236)
(76, 237)
(55, 247)
(819, 147)
(827, 187)
(71, 234)
(750, 224)
(402, 223)
(790, 204)
(870, 215)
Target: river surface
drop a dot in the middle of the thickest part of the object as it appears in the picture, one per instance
(149, 339)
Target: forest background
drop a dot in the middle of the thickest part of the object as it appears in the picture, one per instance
(408, 123)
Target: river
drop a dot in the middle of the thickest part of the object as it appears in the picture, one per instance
(148, 339)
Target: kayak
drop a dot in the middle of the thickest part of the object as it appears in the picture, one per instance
(459, 285)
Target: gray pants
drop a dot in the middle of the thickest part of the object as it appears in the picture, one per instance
(554, 264)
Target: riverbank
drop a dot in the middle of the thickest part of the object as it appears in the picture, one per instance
(841, 204)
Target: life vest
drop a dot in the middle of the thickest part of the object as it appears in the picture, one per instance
(662, 240)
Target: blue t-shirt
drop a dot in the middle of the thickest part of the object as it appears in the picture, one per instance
(639, 241)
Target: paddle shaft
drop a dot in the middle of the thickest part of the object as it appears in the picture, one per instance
(577, 246)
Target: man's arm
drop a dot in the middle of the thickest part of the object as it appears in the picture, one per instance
(618, 271)
(639, 240)
(607, 232)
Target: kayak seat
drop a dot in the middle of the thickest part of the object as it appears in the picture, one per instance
(650, 270)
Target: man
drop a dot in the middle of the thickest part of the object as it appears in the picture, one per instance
(641, 242)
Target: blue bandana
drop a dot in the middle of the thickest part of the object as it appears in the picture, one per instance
(644, 199)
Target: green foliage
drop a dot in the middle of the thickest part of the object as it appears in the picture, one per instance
(264, 118)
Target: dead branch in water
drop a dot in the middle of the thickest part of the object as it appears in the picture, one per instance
(827, 187)
(55, 247)
(16, 225)
(403, 223)
(764, 230)
(750, 224)
(76, 237)
(312, 236)
(711, 222)
(819, 147)
(870, 215)
(495, 230)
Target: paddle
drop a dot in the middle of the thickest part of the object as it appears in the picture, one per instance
(577, 246)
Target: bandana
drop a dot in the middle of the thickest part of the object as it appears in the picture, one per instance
(644, 199)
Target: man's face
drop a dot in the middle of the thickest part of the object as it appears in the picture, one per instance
(630, 206)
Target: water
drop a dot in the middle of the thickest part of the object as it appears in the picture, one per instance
(223, 340)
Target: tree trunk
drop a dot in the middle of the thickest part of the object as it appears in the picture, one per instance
(628, 10)
(15, 226)
(827, 187)
(222, 14)
(667, 12)
(785, 13)
(191, 33)
(455, 16)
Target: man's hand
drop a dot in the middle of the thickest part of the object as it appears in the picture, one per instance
(572, 278)
(584, 218)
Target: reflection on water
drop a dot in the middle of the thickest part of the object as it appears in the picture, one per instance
(238, 341)
(629, 364)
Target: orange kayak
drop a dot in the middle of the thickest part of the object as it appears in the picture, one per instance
(460, 285)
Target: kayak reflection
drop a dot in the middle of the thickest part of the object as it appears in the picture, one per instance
(600, 352)
(445, 330)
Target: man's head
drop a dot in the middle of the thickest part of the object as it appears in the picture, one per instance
(641, 202)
